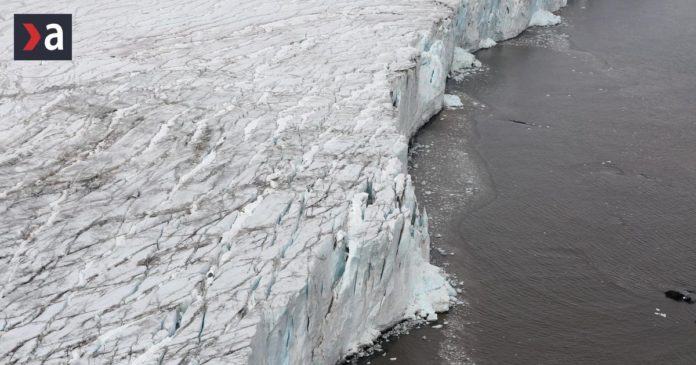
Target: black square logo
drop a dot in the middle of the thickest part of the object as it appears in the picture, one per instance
(43, 37)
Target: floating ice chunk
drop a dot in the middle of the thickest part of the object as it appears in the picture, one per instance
(544, 18)
(487, 43)
(659, 313)
(452, 101)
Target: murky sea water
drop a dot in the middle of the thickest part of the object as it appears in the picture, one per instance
(563, 195)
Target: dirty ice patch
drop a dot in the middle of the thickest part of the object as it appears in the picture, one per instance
(544, 18)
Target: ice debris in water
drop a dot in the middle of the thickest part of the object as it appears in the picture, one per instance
(464, 63)
(544, 18)
(487, 43)
(441, 251)
(452, 101)
(463, 60)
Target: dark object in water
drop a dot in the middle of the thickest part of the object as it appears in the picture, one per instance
(679, 296)
(518, 121)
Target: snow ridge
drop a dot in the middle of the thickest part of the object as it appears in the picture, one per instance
(227, 183)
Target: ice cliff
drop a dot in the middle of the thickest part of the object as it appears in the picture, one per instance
(223, 181)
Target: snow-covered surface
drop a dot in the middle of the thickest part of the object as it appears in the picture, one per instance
(223, 181)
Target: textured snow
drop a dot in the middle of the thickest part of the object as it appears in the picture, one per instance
(223, 181)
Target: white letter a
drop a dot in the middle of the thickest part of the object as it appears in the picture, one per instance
(58, 36)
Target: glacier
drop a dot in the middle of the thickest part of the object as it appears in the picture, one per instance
(224, 181)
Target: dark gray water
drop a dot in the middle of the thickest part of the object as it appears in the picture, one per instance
(566, 189)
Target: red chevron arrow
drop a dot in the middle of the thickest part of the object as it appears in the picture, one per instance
(34, 35)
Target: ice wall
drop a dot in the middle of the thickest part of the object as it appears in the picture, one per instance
(360, 304)
(223, 181)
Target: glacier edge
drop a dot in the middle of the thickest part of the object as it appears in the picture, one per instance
(224, 181)
(417, 89)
